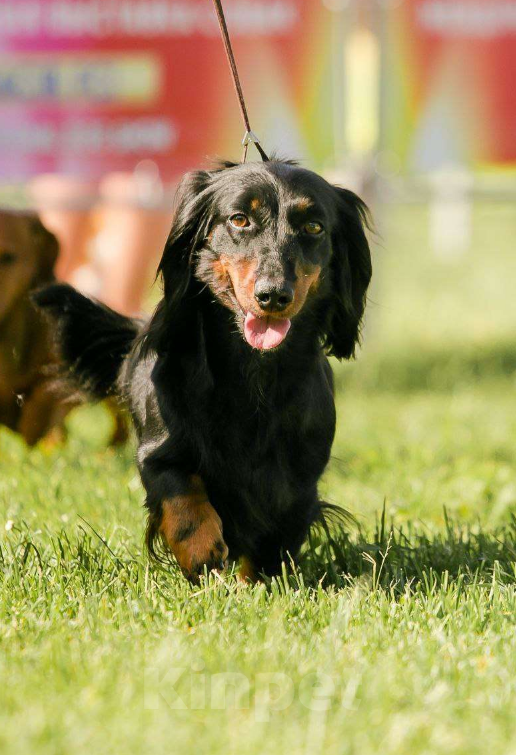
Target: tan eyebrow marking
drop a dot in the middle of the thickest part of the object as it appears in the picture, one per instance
(255, 203)
(304, 204)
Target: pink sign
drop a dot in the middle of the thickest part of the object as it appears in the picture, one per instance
(90, 86)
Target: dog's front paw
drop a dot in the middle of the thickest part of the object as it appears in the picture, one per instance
(192, 530)
(200, 543)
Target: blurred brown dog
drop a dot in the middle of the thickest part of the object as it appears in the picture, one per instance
(31, 401)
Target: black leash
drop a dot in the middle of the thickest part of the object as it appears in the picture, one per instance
(249, 137)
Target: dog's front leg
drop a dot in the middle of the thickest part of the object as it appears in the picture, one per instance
(43, 414)
(187, 523)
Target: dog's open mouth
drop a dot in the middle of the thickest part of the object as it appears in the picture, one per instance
(265, 332)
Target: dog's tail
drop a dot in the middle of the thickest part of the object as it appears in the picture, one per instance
(92, 340)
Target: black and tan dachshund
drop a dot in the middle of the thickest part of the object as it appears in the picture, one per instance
(265, 273)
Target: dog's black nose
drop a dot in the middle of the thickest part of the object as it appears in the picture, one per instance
(272, 297)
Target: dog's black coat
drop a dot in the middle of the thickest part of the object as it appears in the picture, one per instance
(256, 427)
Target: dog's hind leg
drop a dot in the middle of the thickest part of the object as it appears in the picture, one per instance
(247, 570)
(281, 545)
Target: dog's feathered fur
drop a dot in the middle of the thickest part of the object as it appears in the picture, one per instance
(232, 440)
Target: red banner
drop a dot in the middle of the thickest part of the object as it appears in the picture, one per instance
(452, 73)
(90, 86)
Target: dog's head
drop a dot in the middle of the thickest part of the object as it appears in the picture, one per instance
(28, 253)
(272, 241)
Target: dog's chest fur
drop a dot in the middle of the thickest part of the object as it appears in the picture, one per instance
(258, 439)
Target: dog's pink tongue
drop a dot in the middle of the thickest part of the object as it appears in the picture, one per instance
(264, 332)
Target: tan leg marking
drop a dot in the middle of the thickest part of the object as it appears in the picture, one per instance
(192, 529)
(247, 571)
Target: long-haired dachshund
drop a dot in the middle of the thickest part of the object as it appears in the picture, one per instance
(265, 272)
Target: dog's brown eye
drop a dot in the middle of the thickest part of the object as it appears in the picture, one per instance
(7, 258)
(239, 220)
(313, 228)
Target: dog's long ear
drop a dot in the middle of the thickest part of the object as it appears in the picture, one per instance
(189, 229)
(47, 248)
(350, 275)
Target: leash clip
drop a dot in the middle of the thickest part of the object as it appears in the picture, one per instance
(250, 138)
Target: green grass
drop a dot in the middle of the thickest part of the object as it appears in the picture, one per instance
(397, 637)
